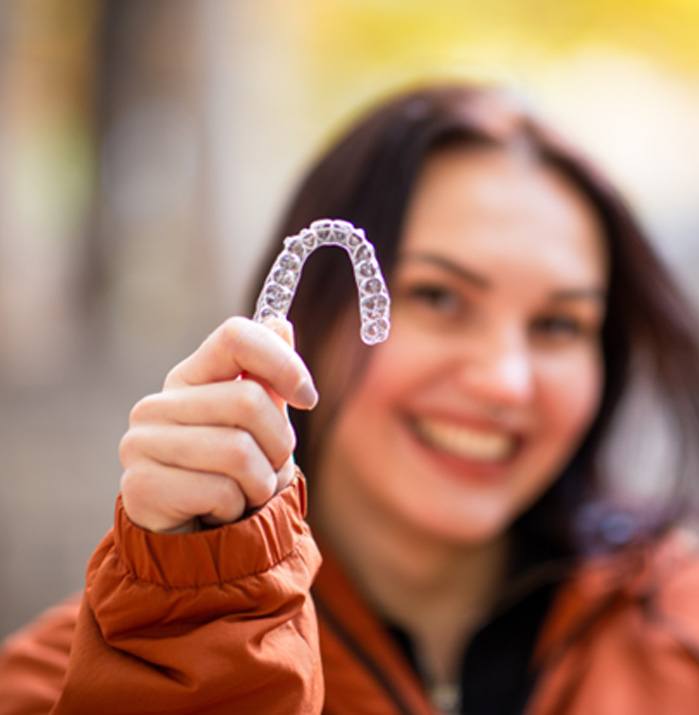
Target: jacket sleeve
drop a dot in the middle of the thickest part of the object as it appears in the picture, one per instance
(34, 660)
(631, 648)
(217, 621)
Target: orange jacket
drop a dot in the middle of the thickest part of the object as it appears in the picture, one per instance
(221, 621)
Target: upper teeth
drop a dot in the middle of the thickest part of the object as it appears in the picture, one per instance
(465, 442)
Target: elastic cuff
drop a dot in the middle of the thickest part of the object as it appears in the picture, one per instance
(215, 556)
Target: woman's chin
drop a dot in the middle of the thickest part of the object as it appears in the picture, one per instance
(470, 519)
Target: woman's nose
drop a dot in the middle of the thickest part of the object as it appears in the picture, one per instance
(499, 372)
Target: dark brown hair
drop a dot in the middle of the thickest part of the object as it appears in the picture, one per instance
(367, 177)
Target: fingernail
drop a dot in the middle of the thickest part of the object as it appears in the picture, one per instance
(306, 393)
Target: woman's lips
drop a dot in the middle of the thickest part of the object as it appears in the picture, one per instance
(466, 450)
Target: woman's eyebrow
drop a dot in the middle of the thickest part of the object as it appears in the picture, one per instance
(594, 293)
(478, 280)
(461, 272)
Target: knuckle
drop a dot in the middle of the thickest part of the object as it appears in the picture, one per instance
(232, 330)
(285, 474)
(138, 499)
(175, 376)
(284, 448)
(251, 397)
(143, 409)
(237, 456)
(264, 490)
(129, 447)
(261, 488)
(134, 489)
(242, 464)
(126, 484)
(246, 453)
(172, 377)
(232, 500)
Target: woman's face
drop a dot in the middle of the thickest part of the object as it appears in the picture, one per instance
(492, 373)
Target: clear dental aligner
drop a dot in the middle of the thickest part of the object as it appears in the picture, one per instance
(280, 285)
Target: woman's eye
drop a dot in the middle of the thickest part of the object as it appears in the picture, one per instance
(435, 297)
(560, 326)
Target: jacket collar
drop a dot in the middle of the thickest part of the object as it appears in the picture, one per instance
(344, 615)
(589, 589)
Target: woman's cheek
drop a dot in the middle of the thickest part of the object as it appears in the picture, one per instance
(572, 397)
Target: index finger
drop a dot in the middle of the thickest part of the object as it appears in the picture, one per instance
(241, 345)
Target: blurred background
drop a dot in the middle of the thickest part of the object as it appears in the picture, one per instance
(146, 149)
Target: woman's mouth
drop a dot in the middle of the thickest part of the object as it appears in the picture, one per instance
(485, 446)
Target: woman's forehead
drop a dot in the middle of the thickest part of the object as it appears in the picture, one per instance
(488, 208)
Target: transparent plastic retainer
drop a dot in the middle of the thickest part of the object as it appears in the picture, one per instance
(280, 285)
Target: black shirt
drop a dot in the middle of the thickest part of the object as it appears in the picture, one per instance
(497, 676)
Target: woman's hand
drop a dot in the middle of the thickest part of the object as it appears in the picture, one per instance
(217, 440)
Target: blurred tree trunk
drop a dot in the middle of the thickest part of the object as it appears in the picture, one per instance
(147, 258)
(103, 230)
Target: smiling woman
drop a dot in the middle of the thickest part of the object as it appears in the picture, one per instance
(451, 469)
(465, 414)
